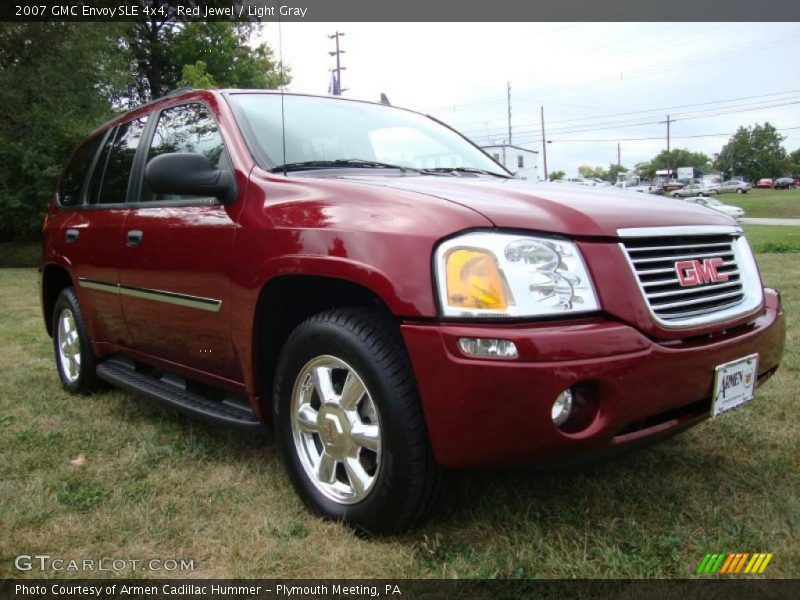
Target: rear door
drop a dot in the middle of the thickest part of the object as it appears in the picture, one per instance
(175, 277)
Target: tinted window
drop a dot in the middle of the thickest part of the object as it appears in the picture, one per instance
(186, 128)
(71, 186)
(110, 181)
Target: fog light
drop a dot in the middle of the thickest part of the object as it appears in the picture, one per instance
(562, 408)
(488, 347)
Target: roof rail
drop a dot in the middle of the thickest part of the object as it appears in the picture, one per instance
(179, 90)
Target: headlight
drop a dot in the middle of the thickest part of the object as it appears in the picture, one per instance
(507, 275)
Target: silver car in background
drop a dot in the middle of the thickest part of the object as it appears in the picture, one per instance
(733, 185)
(732, 211)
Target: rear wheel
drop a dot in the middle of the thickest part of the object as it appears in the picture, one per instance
(75, 358)
(676, 195)
(349, 423)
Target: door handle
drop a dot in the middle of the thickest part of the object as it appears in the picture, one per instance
(71, 236)
(135, 237)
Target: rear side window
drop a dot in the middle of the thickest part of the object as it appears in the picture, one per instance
(185, 128)
(109, 184)
(71, 186)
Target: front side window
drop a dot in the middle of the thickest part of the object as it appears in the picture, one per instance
(186, 128)
(109, 184)
(71, 186)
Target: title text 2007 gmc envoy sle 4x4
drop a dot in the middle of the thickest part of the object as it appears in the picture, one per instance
(386, 296)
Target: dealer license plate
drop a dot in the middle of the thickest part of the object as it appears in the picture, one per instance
(734, 384)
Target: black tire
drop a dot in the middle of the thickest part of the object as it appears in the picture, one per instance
(407, 482)
(83, 379)
(676, 195)
(700, 194)
(740, 191)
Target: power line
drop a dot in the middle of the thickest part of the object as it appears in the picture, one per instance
(661, 137)
(622, 124)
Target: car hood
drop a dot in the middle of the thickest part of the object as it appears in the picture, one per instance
(555, 208)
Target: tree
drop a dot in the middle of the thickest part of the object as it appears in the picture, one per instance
(160, 46)
(46, 108)
(754, 152)
(678, 157)
(592, 171)
(196, 76)
(230, 60)
(614, 170)
(794, 163)
(557, 175)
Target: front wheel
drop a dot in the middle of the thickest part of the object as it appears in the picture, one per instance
(350, 425)
(75, 358)
(676, 195)
(740, 191)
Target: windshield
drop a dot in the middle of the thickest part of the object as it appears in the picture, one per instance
(324, 130)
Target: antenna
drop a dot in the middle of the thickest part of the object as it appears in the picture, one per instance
(280, 84)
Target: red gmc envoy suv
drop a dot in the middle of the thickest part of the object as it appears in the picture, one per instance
(387, 297)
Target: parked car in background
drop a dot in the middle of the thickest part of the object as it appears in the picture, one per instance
(732, 211)
(740, 187)
(671, 186)
(635, 187)
(764, 183)
(784, 183)
(599, 182)
(693, 189)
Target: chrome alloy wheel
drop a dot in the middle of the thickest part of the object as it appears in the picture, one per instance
(69, 346)
(336, 429)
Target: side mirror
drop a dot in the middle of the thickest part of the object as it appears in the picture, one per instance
(190, 174)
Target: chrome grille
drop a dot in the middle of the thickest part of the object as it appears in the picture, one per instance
(653, 259)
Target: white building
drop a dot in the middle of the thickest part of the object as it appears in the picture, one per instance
(516, 159)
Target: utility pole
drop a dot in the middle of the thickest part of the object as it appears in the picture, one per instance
(509, 113)
(669, 158)
(336, 87)
(544, 147)
(619, 156)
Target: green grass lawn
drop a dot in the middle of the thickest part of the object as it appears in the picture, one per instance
(773, 238)
(779, 204)
(158, 485)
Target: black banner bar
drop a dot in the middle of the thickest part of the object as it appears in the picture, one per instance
(406, 11)
(387, 589)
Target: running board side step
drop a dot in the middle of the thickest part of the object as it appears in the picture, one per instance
(123, 374)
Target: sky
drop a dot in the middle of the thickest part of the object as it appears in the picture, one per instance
(599, 83)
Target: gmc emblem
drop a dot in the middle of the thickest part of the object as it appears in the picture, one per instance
(696, 272)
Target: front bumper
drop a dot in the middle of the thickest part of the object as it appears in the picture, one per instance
(484, 413)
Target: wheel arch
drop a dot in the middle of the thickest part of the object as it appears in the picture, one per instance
(284, 302)
(55, 278)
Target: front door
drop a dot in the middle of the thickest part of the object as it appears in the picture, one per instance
(175, 277)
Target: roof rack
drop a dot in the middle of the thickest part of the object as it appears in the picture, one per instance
(179, 90)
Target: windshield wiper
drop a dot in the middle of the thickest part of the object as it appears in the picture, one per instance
(360, 163)
(464, 170)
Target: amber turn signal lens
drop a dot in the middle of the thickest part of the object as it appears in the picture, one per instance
(474, 281)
